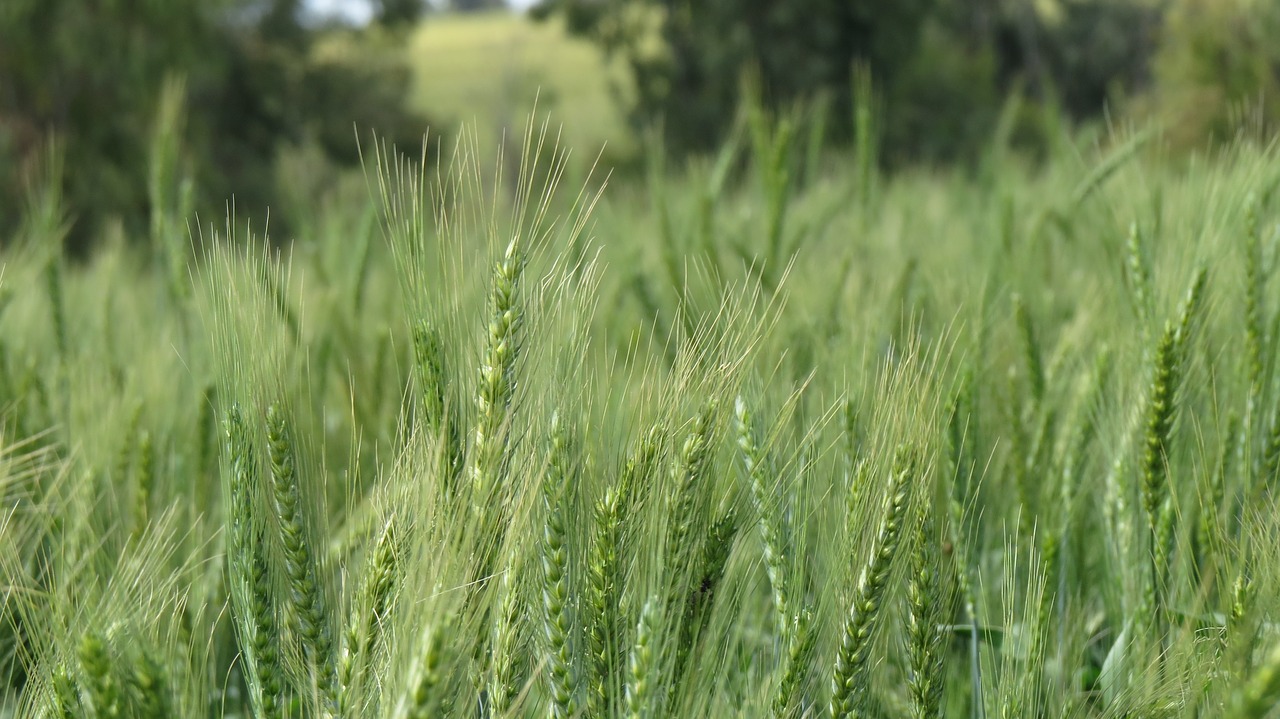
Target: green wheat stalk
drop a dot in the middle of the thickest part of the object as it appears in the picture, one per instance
(251, 602)
(787, 700)
(925, 613)
(105, 691)
(604, 597)
(1154, 486)
(426, 699)
(849, 683)
(642, 666)
(503, 684)
(306, 615)
(555, 580)
(755, 466)
(370, 612)
(497, 378)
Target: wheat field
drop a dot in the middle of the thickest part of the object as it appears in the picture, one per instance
(768, 434)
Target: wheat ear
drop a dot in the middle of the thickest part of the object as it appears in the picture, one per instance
(306, 612)
(251, 603)
(786, 701)
(604, 596)
(425, 699)
(849, 683)
(755, 465)
(642, 666)
(369, 614)
(105, 692)
(924, 616)
(497, 378)
(150, 684)
(1155, 472)
(555, 580)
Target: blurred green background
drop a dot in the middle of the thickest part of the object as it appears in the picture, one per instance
(273, 93)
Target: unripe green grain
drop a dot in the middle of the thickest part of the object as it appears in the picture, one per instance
(426, 699)
(123, 471)
(1210, 533)
(555, 582)
(369, 614)
(1155, 474)
(1138, 274)
(306, 611)
(1189, 311)
(686, 472)
(144, 482)
(206, 433)
(607, 566)
(706, 585)
(1159, 428)
(755, 466)
(1030, 349)
(1255, 290)
(504, 684)
(438, 421)
(66, 694)
(787, 700)
(604, 596)
(497, 378)
(642, 667)
(1262, 692)
(150, 684)
(251, 595)
(925, 648)
(105, 692)
(1256, 340)
(1238, 636)
(53, 272)
(858, 481)
(638, 469)
(850, 683)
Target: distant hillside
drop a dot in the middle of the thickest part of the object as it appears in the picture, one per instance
(488, 69)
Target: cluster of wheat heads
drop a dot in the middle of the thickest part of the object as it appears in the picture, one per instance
(1059, 504)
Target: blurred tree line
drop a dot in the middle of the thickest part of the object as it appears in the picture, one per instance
(943, 69)
(88, 75)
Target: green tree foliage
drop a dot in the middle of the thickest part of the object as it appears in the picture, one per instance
(476, 5)
(1218, 67)
(687, 58)
(89, 74)
(1097, 51)
(391, 13)
(940, 67)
